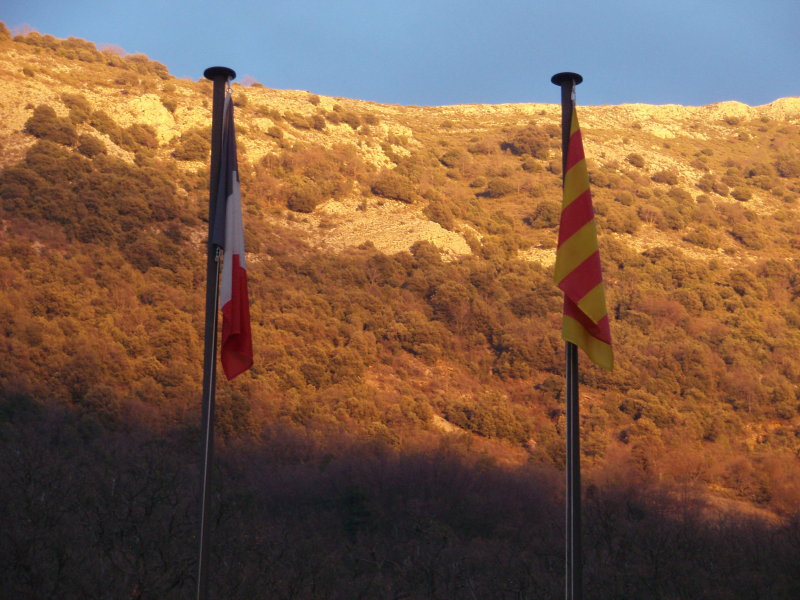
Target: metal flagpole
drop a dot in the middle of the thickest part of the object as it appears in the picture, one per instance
(220, 76)
(574, 566)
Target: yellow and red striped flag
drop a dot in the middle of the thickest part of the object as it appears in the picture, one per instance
(578, 273)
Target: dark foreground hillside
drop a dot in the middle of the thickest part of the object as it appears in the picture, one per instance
(91, 513)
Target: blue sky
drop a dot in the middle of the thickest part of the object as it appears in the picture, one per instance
(435, 52)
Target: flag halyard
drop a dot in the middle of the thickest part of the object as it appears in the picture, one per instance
(228, 233)
(578, 271)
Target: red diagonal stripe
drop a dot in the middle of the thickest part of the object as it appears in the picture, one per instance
(583, 279)
(574, 149)
(600, 330)
(577, 214)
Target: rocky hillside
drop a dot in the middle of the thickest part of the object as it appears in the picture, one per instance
(401, 434)
(400, 262)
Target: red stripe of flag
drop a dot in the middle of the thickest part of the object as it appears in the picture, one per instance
(600, 330)
(575, 149)
(577, 214)
(237, 342)
(584, 278)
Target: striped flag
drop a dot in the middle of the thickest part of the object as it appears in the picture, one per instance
(228, 233)
(577, 272)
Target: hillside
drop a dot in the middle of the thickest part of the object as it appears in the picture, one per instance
(400, 269)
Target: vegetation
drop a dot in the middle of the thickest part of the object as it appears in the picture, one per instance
(403, 424)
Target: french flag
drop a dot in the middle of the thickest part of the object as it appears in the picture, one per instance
(228, 234)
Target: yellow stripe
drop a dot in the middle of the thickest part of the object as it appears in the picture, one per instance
(593, 304)
(575, 250)
(573, 126)
(598, 351)
(576, 182)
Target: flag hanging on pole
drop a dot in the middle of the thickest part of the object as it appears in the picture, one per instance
(228, 234)
(577, 272)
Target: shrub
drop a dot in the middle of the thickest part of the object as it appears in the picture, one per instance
(90, 146)
(440, 213)
(622, 220)
(304, 195)
(318, 122)
(478, 182)
(680, 195)
(297, 120)
(45, 124)
(530, 140)
(480, 148)
(126, 79)
(546, 214)
(668, 176)
(747, 235)
(637, 160)
(625, 198)
(709, 183)
(37, 39)
(498, 188)
(79, 107)
(143, 135)
(393, 186)
(788, 166)
(103, 123)
(702, 237)
(192, 145)
(170, 104)
(599, 179)
(720, 188)
(742, 194)
(351, 119)
(452, 159)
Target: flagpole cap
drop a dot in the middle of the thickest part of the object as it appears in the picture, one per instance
(565, 78)
(213, 73)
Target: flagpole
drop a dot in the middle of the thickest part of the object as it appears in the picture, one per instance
(220, 76)
(574, 561)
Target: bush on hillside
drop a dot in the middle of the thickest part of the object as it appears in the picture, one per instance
(546, 214)
(668, 176)
(90, 146)
(79, 108)
(44, 123)
(497, 188)
(303, 195)
(742, 194)
(529, 140)
(636, 160)
(192, 145)
(394, 187)
(788, 166)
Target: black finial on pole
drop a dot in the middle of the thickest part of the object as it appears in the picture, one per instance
(215, 73)
(574, 561)
(566, 77)
(567, 82)
(220, 76)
